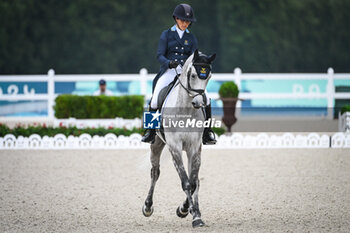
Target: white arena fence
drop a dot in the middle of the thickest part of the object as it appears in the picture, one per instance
(314, 91)
(343, 123)
(233, 141)
(98, 123)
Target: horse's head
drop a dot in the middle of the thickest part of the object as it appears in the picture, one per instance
(198, 73)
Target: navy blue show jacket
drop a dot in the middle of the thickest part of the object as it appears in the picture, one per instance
(171, 47)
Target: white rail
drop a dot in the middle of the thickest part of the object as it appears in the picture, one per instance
(233, 141)
(51, 79)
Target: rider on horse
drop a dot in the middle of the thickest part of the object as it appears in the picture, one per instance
(175, 46)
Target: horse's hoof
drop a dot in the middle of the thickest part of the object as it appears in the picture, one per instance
(180, 213)
(197, 223)
(147, 211)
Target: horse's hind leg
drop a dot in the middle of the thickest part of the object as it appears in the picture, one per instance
(156, 150)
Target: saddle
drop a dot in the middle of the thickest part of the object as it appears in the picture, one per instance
(161, 98)
(165, 91)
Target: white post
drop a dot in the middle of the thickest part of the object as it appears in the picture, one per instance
(51, 93)
(237, 78)
(339, 122)
(330, 93)
(143, 82)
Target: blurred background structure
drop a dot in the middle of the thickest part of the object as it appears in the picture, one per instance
(120, 37)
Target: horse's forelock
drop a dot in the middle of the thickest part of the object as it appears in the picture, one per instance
(202, 58)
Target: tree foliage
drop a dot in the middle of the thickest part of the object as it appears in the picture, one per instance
(119, 36)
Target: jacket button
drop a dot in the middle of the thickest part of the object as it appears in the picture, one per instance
(182, 48)
(175, 53)
(176, 47)
(182, 60)
(175, 59)
(181, 54)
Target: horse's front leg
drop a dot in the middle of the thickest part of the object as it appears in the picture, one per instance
(183, 210)
(197, 221)
(186, 185)
(194, 166)
(156, 150)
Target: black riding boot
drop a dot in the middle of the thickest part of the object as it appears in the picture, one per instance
(208, 134)
(150, 134)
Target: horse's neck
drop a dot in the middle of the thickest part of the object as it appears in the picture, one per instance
(183, 99)
(179, 97)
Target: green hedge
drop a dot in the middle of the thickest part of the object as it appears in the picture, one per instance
(99, 107)
(219, 131)
(50, 131)
(345, 108)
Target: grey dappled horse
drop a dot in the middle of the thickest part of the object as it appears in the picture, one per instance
(187, 93)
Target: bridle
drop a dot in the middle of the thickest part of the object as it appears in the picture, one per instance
(189, 89)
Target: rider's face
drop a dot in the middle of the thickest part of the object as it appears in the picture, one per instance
(182, 24)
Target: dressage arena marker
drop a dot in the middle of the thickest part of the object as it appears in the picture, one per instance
(233, 141)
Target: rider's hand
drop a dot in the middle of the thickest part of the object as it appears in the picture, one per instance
(173, 64)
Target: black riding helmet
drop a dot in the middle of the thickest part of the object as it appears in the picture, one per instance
(184, 12)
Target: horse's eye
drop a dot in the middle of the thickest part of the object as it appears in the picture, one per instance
(193, 76)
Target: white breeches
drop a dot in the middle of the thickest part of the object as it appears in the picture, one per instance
(164, 81)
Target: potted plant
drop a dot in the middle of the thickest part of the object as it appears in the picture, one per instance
(228, 93)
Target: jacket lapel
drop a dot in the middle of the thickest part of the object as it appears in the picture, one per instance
(176, 35)
(178, 38)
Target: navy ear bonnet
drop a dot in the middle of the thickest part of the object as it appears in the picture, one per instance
(202, 66)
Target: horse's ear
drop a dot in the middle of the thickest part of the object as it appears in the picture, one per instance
(212, 57)
(196, 55)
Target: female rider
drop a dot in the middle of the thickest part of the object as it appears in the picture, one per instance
(175, 46)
